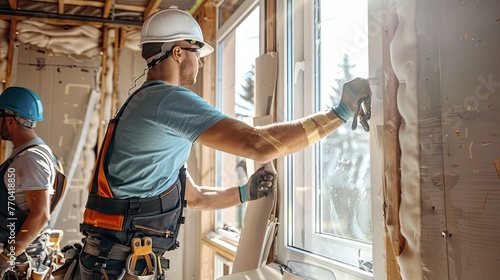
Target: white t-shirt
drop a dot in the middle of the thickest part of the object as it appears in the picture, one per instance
(31, 170)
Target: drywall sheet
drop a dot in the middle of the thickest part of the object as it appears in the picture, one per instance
(459, 121)
(65, 87)
(434, 254)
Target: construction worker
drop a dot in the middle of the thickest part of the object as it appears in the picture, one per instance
(137, 189)
(27, 179)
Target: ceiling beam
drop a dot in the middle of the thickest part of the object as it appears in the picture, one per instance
(96, 4)
(151, 8)
(67, 19)
(107, 8)
(60, 7)
(13, 4)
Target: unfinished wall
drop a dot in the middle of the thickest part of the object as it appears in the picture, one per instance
(458, 85)
(67, 89)
(469, 47)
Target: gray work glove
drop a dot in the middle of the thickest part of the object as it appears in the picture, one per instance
(260, 184)
(355, 102)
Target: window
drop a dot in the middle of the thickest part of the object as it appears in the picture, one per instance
(238, 47)
(328, 186)
(222, 266)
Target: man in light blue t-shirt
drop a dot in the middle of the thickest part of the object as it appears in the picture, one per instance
(137, 185)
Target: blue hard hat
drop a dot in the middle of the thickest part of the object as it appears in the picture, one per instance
(23, 102)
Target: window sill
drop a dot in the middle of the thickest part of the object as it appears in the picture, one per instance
(267, 272)
(219, 246)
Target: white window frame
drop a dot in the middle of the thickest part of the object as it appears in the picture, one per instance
(229, 25)
(303, 58)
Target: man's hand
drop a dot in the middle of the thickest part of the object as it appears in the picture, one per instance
(355, 102)
(260, 184)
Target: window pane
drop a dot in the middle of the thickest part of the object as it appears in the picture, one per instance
(343, 157)
(237, 54)
(333, 218)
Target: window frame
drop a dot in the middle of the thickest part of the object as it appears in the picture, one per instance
(230, 24)
(291, 62)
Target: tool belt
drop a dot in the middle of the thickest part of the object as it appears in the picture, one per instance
(159, 217)
(152, 223)
(111, 260)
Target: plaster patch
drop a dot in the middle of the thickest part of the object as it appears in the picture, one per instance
(441, 180)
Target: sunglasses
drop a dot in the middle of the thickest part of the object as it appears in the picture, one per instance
(190, 49)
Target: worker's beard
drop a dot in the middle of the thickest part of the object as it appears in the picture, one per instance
(4, 133)
(188, 77)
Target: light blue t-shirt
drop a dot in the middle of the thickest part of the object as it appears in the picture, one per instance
(153, 138)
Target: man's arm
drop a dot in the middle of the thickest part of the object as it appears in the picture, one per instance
(259, 185)
(210, 198)
(38, 202)
(269, 142)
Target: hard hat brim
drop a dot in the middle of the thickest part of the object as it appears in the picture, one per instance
(206, 50)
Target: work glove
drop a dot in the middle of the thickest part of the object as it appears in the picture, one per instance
(355, 102)
(260, 184)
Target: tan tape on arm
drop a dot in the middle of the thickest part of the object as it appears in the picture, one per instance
(311, 130)
(326, 124)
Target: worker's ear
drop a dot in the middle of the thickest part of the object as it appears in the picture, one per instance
(177, 53)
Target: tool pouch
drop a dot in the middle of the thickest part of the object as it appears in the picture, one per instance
(23, 270)
(40, 273)
(26, 271)
(163, 224)
(160, 227)
(66, 272)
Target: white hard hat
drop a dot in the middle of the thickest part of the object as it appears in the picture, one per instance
(173, 25)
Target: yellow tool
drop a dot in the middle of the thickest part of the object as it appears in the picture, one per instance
(142, 249)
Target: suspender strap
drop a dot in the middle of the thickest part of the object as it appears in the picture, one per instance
(98, 178)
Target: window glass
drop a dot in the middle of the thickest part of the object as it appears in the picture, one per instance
(235, 91)
(343, 157)
(329, 184)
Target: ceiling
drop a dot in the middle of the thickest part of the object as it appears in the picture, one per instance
(109, 12)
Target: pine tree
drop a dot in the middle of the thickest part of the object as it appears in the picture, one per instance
(244, 108)
(346, 70)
